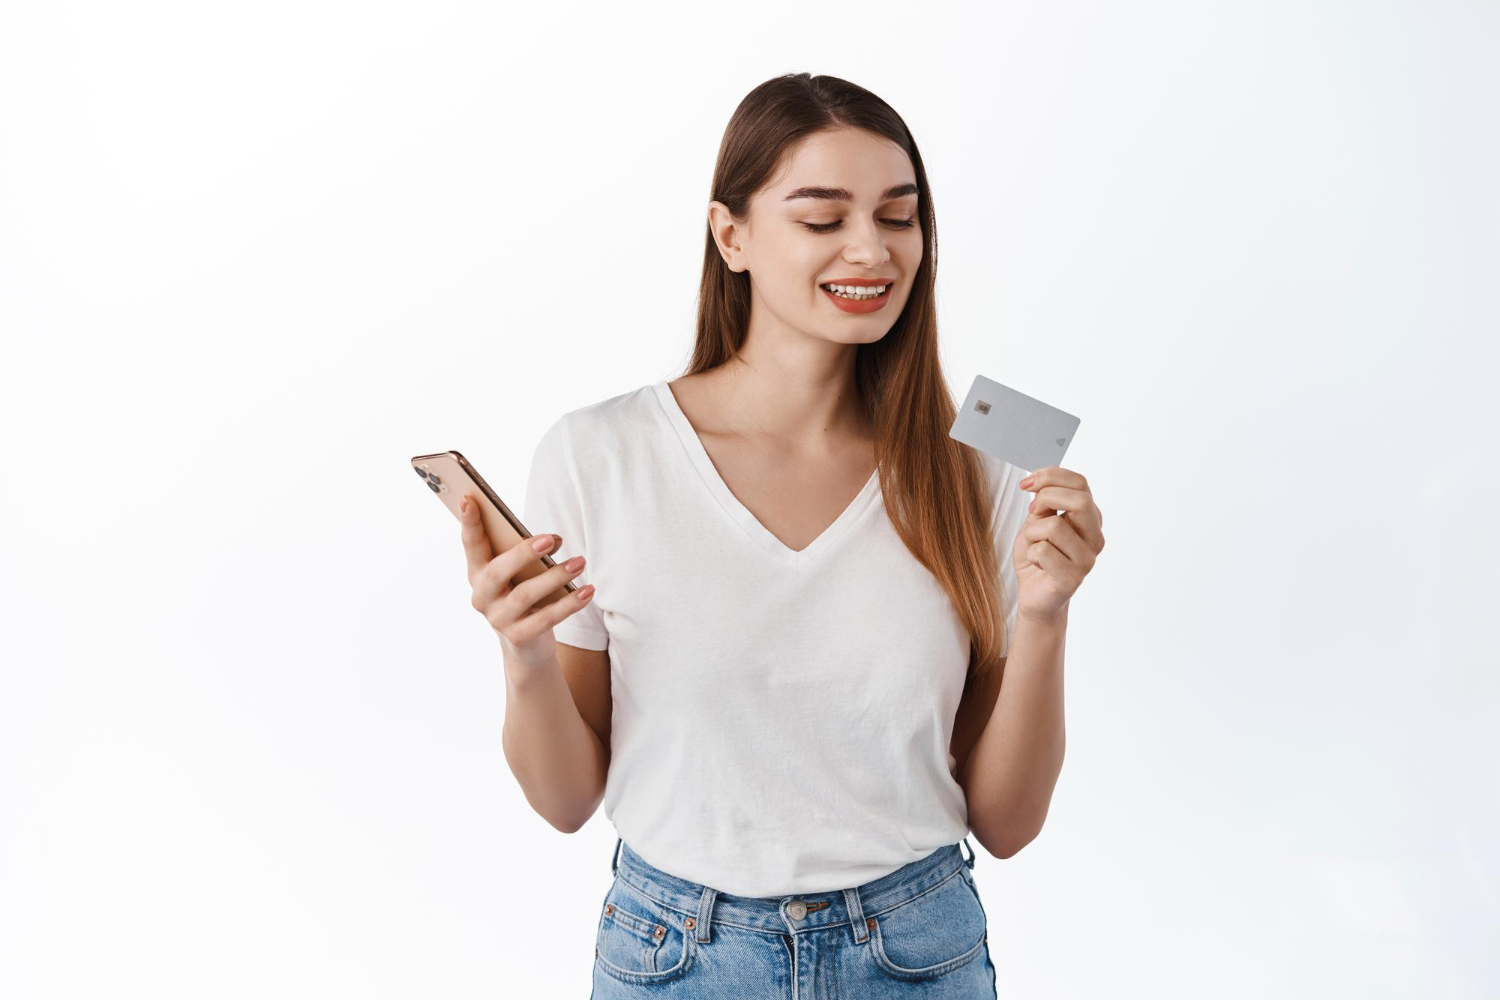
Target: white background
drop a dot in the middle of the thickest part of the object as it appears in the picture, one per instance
(253, 257)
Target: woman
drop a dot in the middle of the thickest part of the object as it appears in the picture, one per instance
(807, 596)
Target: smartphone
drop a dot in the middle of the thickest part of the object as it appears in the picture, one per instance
(451, 477)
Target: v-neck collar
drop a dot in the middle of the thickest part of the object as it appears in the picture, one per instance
(738, 511)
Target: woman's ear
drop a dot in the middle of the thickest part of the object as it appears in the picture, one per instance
(726, 233)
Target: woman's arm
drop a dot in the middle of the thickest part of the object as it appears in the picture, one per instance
(1009, 775)
(555, 753)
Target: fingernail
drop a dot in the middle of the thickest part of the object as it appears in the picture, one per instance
(542, 544)
(1026, 483)
(463, 505)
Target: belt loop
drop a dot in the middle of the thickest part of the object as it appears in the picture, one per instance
(856, 915)
(705, 911)
(970, 860)
(614, 862)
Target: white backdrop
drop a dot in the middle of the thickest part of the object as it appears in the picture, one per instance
(254, 257)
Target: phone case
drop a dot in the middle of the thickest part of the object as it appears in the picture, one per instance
(450, 476)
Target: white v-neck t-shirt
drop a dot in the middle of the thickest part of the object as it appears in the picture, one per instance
(782, 718)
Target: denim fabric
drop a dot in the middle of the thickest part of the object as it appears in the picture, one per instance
(919, 931)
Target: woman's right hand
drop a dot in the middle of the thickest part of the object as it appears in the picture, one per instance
(525, 633)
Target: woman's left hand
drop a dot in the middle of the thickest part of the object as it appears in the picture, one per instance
(1058, 542)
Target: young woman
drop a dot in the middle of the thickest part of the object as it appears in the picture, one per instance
(786, 691)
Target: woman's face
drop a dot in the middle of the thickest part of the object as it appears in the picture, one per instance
(844, 206)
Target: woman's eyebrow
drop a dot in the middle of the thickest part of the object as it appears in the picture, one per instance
(842, 194)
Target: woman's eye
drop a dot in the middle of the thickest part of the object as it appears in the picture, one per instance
(828, 227)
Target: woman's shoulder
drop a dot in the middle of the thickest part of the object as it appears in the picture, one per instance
(620, 411)
(606, 434)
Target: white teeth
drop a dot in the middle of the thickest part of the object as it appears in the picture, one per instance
(857, 291)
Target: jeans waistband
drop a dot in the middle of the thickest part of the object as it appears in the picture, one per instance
(701, 905)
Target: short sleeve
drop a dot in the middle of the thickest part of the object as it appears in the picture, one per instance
(554, 505)
(1007, 514)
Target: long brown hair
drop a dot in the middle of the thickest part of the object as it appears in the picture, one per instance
(935, 489)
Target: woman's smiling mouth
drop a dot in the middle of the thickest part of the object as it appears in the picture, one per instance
(861, 296)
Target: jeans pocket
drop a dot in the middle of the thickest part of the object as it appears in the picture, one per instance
(639, 940)
(933, 934)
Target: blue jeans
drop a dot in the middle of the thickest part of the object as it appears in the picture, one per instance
(921, 930)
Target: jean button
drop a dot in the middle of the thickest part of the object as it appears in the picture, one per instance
(797, 909)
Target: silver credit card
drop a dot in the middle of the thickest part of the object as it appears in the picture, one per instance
(1013, 426)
